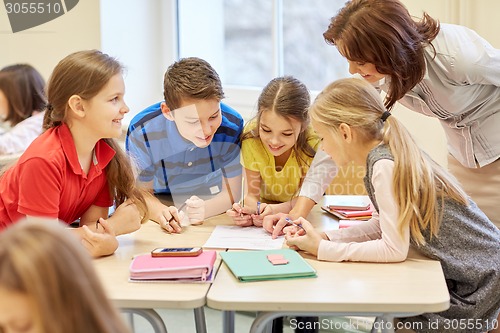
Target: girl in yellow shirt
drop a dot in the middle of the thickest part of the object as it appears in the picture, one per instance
(278, 146)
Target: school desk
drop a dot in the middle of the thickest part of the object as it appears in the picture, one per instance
(142, 297)
(385, 290)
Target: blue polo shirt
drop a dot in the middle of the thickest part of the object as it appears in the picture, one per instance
(176, 165)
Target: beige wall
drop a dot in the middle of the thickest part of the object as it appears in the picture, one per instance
(43, 46)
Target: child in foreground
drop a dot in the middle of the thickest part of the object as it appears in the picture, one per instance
(48, 283)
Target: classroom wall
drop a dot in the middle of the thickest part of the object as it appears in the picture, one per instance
(140, 34)
(43, 46)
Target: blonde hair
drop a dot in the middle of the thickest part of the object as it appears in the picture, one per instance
(418, 181)
(45, 262)
(85, 73)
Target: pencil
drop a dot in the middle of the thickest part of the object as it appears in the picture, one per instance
(178, 209)
(242, 192)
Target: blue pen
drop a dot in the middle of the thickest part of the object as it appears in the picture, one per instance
(298, 225)
(258, 207)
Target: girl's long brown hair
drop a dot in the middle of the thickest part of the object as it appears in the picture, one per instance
(419, 183)
(383, 33)
(84, 74)
(289, 98)
(45, 262)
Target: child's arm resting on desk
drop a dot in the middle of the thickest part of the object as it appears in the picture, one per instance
(306, 239)
(379, 239)
(125, 219)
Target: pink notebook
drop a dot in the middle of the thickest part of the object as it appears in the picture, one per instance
(199, 268)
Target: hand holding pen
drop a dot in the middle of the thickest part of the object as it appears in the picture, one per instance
(171, 219)
(303, 236)
(242, 216)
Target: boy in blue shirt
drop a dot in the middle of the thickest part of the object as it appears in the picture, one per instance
(188, 146)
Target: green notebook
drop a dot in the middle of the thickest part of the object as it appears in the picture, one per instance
(255, 266)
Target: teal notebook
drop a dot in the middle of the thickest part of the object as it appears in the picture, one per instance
(255, 266)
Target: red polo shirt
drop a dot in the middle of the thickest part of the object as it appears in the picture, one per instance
(48, 180)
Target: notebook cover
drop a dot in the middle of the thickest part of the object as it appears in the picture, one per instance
(146, 267)
(335, 213)
(254, 265)
(352, 202)
(355, 213)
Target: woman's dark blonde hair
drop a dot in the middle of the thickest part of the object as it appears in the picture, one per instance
(383, 33)
(84, 74)
(419, 183)
(45, 262)
(24, 88)
(288, 97)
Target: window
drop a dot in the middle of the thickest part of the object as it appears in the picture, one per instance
(251, 42)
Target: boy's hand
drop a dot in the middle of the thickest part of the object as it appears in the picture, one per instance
(195, 210)
(100, 243)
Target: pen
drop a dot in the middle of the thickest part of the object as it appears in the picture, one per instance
(258, 207)
(97, 224)
(298, 225)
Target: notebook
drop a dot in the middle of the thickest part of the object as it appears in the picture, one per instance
(348, 202)
(198, 268)
(349, 214)
(255, 266)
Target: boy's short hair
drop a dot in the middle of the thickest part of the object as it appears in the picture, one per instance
(191, 78)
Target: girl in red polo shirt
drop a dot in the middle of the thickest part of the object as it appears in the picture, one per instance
(75, 170)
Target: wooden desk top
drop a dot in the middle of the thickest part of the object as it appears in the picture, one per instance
(114, 270)
(413, 286)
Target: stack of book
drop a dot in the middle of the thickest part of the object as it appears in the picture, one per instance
(349, 207)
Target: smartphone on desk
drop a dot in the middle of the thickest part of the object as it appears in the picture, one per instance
(176, 252)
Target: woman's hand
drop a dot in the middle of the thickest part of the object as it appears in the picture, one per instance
(274, 224)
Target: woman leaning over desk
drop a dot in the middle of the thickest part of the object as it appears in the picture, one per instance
(443, 71)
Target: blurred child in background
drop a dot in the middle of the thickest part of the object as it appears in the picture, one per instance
(22, 102)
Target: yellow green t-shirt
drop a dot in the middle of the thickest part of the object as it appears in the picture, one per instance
(278, 186)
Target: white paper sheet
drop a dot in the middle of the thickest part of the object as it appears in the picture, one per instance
(246, 238)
